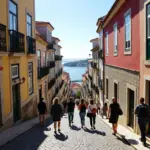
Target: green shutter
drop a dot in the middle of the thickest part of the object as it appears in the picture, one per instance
(148, 49)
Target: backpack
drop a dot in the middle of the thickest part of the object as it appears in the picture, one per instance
(143, 111)
(83, 108)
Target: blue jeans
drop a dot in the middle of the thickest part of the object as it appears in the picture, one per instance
(142, 125)
(82, 117)
(70, 117)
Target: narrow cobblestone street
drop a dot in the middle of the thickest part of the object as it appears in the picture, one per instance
(74, 138)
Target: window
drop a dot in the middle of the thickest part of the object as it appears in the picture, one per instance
(106, 43)
(128, 30)
(107, 89)
(30, 77)
(45, 89)
(39, 58)
(116, 90)
(15, 71)
(13, 21)
(115, 39)
(101, 40)
(29, 25)
(44, 58)
(148, 32)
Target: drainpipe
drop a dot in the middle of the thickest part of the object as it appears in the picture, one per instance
(103, 84)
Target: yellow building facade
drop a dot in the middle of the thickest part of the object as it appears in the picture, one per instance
(18, 62)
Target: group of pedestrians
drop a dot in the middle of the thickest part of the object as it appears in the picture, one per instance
(112, 113)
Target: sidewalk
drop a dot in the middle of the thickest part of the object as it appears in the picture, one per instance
(132, 138)
(17, 130)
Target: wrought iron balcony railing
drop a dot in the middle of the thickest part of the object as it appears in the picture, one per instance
(16, 42)
(56, 91)
(51, 64)
(3, 46)
(62, 82)
(58, 57)
(44, 71)
(100, 54)
(90, 77)
(51, 83)
(100, 81)
(31, 45)
(50, 46)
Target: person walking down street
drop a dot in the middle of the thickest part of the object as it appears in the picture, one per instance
(71, 107)
(42, 111)
(105, 111)
(56, 112)
(82, 112)
(65, 106)
(92, 109)
(142, 112)
(113, 114)
(98, 107)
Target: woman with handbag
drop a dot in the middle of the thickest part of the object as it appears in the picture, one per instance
(113, 114)
(92, 109)
(56, 113)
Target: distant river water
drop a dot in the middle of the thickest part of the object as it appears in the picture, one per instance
(75, 72)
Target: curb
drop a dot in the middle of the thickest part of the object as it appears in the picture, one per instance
(121, 137)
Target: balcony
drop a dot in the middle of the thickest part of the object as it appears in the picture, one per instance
(59, 73)
(58, 57)
(44, 71)
(17, 44)
(94, 65)
(31, 45)
(100, 54)
(95, 88)
(51, 64)
(62, 82)
(56, 91)
(90, 77)
(51, 83)
(100, 81)
(3, 46)
(50, 46)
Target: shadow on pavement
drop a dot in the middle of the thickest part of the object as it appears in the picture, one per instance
(30, 139)
(94, 132)
(122, 140)
(132, 141)
(61, 137)
(73, 127)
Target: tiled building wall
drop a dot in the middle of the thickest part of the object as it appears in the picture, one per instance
(123, 78)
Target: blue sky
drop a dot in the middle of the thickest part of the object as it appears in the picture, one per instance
(74, 22)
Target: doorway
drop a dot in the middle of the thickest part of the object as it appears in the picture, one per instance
(131, 108)
(16, 102)
(40, 93)
(0, 109)
(116, 90)
(148, 99)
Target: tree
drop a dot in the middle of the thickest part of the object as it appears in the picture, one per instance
(78, 94)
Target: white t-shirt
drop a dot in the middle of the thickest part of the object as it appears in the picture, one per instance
(90, 107)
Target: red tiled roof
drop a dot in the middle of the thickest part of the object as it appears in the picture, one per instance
(38, 34)
(59, 46)
(93, 39)
(100, 19)
(43, 23)
(55, 38)
(75, 85)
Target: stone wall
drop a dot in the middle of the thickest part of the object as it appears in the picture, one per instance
(29, 110)
(125, 79)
